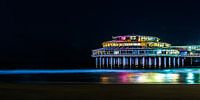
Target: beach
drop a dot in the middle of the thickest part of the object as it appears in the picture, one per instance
(98, 92)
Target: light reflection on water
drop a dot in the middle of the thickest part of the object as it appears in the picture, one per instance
(141, 78)
(174, 76)
(167, 76)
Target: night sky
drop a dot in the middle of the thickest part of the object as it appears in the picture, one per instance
(61, 34)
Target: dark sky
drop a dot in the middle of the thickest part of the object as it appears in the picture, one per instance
(61, 34)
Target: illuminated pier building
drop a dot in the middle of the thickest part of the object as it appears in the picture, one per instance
(137, 51)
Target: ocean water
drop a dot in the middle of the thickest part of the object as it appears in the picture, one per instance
(102, 76)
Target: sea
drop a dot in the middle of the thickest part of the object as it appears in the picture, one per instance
(102, 76)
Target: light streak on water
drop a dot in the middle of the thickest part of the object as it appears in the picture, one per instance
(52, 71)
(106, 76)
(71, 71)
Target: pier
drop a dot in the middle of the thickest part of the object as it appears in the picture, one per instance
(139, 61)
(143, 52)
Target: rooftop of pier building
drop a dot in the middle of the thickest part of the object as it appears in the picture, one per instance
(136, 41)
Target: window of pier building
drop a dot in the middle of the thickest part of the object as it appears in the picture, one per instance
(133, 38)
(150, 52)
(149, 38)
(142, 52)
(116, 52)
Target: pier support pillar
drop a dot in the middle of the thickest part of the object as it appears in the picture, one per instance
(165, 62)
(114, 62)
(143, 62)
(136, 62)
(183, 61)
(130, 62)
(150, 63)
(100, 62)
(124, 62)
(96, 62)
(174, 62)
(118, 62)
(169, 61)
(159, 62)
(178, 61)
(155, 62)
(111, 62)
(103, 61)
(107, 61)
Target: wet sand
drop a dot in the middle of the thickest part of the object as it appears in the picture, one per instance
(98, 92)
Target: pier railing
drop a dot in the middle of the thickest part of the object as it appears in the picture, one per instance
(135, 52)
(192, 55)
(141, 55)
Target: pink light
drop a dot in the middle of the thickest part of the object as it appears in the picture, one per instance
(123, 37)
